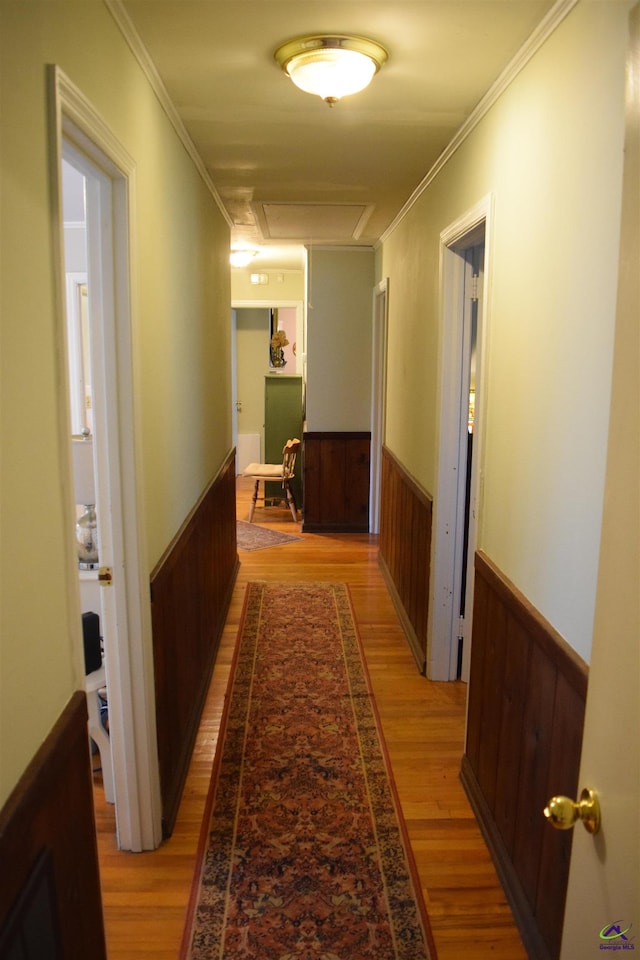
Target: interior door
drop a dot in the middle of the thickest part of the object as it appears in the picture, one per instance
(234, 381)
(603, 900)
(252, 362)
(83, 140)
(135, 786)
(378, 398)
(467, 510)
(464, 254)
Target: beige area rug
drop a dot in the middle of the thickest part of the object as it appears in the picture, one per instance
(250, 536)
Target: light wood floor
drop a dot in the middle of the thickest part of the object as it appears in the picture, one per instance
(145, 895)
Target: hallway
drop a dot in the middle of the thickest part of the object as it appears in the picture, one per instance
(145, 895)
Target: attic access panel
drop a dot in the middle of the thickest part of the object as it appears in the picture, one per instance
(316, 222)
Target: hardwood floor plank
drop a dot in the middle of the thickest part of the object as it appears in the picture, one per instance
(145, 895)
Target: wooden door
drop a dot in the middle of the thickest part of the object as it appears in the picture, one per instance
(603, 900)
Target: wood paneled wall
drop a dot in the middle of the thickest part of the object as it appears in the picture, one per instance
(48, 843)
(406, 512)
(527, 692)
(190, 592)
(336, 482)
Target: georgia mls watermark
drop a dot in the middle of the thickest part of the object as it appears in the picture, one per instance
(615, 936)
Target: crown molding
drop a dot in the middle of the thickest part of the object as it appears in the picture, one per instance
(535, 41)
(140, 52)
(542, 32)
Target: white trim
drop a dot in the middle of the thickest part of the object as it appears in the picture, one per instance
(81, 133)
(140, 52)
(81, 122)
(540, 35)
(441, 662)
(234, 383)
(378, 396)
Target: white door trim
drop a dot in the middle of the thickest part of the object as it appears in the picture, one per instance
(275, 304)
(129, 654)
(234, 382)
(441, 655)
(378, 397)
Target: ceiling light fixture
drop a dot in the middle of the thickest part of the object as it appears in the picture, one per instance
(241, 258)
(331, 66)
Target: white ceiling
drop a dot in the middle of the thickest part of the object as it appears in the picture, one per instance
(289, 169)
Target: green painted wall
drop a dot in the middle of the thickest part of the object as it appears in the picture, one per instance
(181, 336)
(339, 339)
(282, 285)
(549, 153)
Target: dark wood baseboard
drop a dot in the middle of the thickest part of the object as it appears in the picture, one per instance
(190, 590)
(48, 851)
(417, 647)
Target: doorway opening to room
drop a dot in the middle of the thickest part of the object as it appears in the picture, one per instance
(254, 323)
(378, 397)
(94, 174)
(463, 256)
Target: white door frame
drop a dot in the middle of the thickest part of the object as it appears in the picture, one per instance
(378, 397)
(234, 381)
(275, 304)
(83, 138)
(301, 358)
(442, 653)
(467, 538)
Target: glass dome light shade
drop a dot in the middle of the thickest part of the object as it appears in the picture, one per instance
(331, 67)
(332, 74)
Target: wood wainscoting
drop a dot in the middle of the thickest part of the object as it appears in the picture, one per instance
(190, 592)
(527, 692)
(336, 482)
(50, 881)
(406, 512)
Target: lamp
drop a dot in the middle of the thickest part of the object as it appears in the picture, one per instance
(331, 66)
(240, 258)
(84, 485)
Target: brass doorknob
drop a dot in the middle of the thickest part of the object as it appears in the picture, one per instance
(562, 812)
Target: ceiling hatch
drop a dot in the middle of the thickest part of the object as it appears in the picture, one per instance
(328, 222)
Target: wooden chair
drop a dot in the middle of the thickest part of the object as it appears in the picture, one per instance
(283, 472)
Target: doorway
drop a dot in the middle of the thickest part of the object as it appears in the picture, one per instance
(252, 325)
(87, 151)
(463, 297)
(466, 509)
(378, 397)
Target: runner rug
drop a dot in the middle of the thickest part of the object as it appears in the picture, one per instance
(303, 854)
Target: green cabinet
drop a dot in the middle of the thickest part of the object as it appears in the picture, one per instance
(282, 422)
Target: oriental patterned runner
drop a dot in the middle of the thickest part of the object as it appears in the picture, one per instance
(303, 854)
